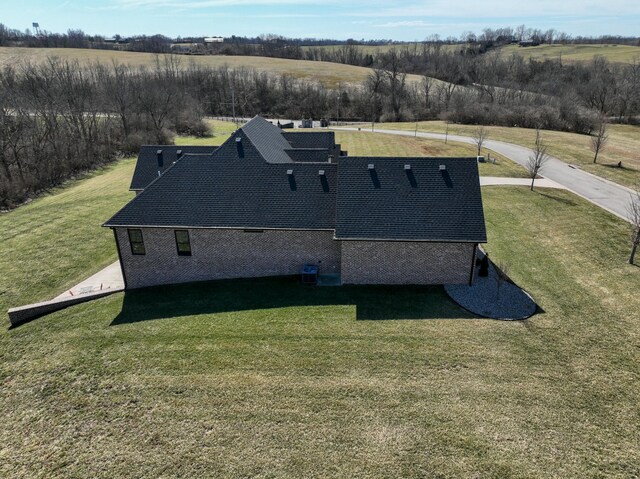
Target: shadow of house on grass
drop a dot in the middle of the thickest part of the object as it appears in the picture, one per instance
(371, 302)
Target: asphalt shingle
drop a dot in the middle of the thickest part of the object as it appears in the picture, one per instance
(147, 165)
(423, 203)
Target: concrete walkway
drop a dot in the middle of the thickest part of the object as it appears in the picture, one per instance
(110, 278)
(603, 193)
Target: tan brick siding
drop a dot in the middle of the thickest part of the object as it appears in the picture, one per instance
(222, 253)
(399, 262)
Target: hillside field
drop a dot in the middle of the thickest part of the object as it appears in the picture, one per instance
(575, 53)
(329, 74)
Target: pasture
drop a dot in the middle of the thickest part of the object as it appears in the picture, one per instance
(328, 74)
(576, 53)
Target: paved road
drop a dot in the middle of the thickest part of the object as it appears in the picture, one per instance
(604, 193)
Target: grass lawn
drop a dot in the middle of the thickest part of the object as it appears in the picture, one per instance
(220, 132)
(623, 145)
(267, 378)
(573, 53)
(52, 243)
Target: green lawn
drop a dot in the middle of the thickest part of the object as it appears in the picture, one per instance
(267, 378)
(623, 145)
(220, 131)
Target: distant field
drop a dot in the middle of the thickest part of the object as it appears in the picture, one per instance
(329, 74)
(371, 49)
(573, 53)
(623, 145)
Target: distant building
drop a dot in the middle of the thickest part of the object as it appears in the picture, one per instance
(214, 40)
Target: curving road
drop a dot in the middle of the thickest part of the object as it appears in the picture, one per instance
(603, 193)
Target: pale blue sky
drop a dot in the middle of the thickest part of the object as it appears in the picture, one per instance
(339, 19)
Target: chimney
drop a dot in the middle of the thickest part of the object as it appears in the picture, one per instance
(160, 159)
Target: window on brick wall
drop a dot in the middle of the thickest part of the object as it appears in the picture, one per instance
(183, 243)
(136, 241)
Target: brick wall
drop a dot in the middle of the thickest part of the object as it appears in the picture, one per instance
(399, 262)
(220, 253)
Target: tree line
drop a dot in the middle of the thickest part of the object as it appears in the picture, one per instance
(58, 118)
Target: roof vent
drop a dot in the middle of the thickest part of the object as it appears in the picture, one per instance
(370, 166)
(321, 172)
(160, 159)
(407, 167)
(289, 172)
(179, 153)
(443, 167)
(238, 139)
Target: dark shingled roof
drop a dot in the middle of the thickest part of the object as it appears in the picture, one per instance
(147, 166)
(317, 155)
(423, 203)
(251, 182)
(236, 188)
(268, 139)
(316, 139)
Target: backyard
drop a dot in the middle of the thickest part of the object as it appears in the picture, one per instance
(268, 378)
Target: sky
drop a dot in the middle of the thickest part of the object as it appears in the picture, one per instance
(337, 19)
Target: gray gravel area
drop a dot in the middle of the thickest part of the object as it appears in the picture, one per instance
(507, 302)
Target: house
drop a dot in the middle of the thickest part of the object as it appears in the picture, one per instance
(258, 206)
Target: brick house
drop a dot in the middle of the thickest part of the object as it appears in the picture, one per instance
(267, 202)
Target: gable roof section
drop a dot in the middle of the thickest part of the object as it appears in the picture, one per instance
(268, 140)
(235, 188)
(147, 165)
(423, 203)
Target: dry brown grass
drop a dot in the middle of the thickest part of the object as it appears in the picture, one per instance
(329, 74)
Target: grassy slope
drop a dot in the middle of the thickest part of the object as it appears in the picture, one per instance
(329, 74)
(268, 378)
(623, 145)
(572, 53)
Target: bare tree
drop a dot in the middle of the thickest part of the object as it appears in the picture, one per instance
(634, 217)
(599, 140)
(479, 136)
(538, 157)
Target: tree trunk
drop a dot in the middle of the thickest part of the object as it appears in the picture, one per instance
(595, 158)
(633, 253)
(532, 180)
